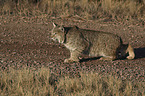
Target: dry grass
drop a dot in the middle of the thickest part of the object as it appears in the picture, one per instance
(29, 82)
(25, 82)
(87, 9)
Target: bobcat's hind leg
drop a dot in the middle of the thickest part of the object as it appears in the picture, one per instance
(131, 52)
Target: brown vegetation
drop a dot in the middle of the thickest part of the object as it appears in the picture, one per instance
(30, 82)
(87, 9)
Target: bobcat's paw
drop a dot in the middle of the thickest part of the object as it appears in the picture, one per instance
(130, 57)
(70, 60)
(107, 58)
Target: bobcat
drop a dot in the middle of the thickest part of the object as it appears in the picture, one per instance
(105, 45)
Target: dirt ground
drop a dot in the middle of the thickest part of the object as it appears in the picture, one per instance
(25, 42)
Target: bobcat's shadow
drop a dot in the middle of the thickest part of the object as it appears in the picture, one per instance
(88, 59)
(139, 53)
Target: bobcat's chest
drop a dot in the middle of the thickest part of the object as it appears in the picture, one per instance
(70, 46)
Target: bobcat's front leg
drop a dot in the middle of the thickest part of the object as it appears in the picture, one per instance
(74, 56)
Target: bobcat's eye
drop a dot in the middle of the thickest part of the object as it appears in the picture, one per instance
(54, 33)
(62, 29)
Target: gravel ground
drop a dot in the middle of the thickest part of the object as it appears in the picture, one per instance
(24, 42)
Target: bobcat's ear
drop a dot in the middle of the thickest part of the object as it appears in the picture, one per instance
(54, 24)
(61, 28)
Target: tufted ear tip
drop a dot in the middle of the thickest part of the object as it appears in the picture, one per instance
(54, 24)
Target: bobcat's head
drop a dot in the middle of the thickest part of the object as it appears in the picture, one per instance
(57, 33)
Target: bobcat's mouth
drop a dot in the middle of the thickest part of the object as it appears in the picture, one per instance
(57, 39)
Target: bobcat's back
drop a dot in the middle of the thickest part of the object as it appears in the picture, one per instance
(101, 43)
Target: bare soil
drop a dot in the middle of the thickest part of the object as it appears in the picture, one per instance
(25, 42)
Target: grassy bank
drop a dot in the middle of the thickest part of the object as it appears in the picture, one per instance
(86, 9)
(29, 82)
